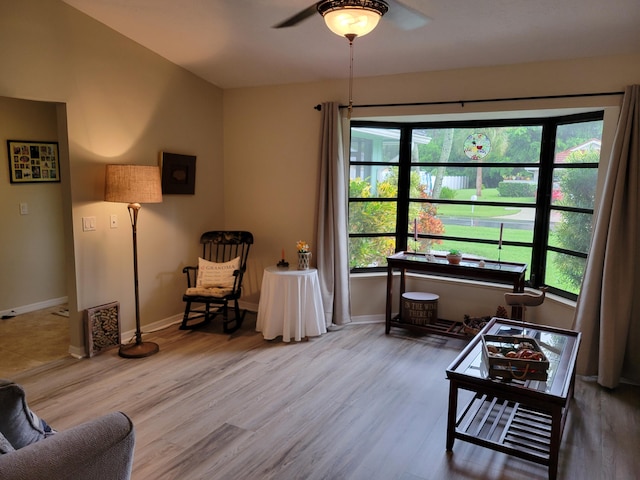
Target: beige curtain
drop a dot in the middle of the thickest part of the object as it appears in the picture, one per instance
(332, 251)
(607, 311)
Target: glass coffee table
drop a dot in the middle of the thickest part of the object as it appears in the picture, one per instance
(523, 418)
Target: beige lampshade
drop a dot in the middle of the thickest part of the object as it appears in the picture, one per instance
(133, 184)
(351, 21)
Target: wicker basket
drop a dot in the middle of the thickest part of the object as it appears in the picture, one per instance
(496, 350)
(473, 325)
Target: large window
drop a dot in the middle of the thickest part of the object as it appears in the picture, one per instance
(525, 185)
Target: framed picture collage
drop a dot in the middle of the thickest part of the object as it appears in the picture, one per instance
(33, 162)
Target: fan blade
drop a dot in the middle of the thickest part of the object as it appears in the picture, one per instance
(404, 17)
(299, 17)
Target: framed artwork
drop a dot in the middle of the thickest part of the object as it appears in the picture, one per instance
(102, 328)
(33, 162)
(178, 174)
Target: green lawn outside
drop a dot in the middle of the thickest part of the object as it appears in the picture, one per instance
(479, 210)
(490, 252)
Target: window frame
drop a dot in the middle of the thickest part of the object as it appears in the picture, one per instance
(543, 204)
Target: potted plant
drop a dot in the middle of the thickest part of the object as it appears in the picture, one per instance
(454, 256)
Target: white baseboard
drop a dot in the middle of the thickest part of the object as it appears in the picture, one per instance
(173, 320)
(252, 307)
(35, 306)
(379, 318)
(77, 352)
(156, 326)
(152, 327)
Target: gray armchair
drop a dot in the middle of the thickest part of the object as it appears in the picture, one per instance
(98, 449)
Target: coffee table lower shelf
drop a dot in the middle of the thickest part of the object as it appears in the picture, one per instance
(507, 427)
(449, 328)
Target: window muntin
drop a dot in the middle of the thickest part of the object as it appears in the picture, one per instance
(537, 181)
(575, 175)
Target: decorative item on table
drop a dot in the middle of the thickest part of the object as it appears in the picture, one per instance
(282, 263)
(509, 358)
(304, 255)
(524, 300)
(419, 308)
(473, 325)
(454, 256)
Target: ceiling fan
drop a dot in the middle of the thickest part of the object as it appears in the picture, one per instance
(402, 16)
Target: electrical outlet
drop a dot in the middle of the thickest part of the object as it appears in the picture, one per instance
(113, 222)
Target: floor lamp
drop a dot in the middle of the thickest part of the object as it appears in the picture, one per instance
(134, 184)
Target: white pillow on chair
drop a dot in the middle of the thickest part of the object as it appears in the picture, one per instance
(212, 274)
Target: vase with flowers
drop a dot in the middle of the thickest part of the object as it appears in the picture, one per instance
(304, 255)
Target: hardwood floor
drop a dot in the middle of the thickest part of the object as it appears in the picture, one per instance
(352, 404)
(32, 339)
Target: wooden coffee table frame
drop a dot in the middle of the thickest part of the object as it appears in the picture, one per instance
(522, 418)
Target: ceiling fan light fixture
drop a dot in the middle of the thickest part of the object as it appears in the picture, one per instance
(353, 18)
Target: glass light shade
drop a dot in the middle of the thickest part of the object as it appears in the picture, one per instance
(354, 21)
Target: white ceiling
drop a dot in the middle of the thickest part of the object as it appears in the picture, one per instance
(231, 43)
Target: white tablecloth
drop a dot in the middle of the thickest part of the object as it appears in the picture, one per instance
(290, 304)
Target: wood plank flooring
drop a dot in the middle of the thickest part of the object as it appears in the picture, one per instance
(32, 339)
(352, 404)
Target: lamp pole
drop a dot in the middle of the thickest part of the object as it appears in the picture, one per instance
(134, 184)
(138, 349)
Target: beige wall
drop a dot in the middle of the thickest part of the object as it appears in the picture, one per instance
(122, 104)
(277, 170)
(32, 251)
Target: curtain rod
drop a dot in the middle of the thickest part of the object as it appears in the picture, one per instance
(486, 100)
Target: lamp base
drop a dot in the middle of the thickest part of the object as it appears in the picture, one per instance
(138, 350)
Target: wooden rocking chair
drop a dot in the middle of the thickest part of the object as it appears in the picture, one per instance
(217, 280)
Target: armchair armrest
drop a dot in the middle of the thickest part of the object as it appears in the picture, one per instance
(191, 273)
(98, 449)
(237, 281)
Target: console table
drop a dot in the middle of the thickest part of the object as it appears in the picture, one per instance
(523, 418)
(491, 271)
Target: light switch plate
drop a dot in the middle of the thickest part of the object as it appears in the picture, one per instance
(88, 224)
(24, 209)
